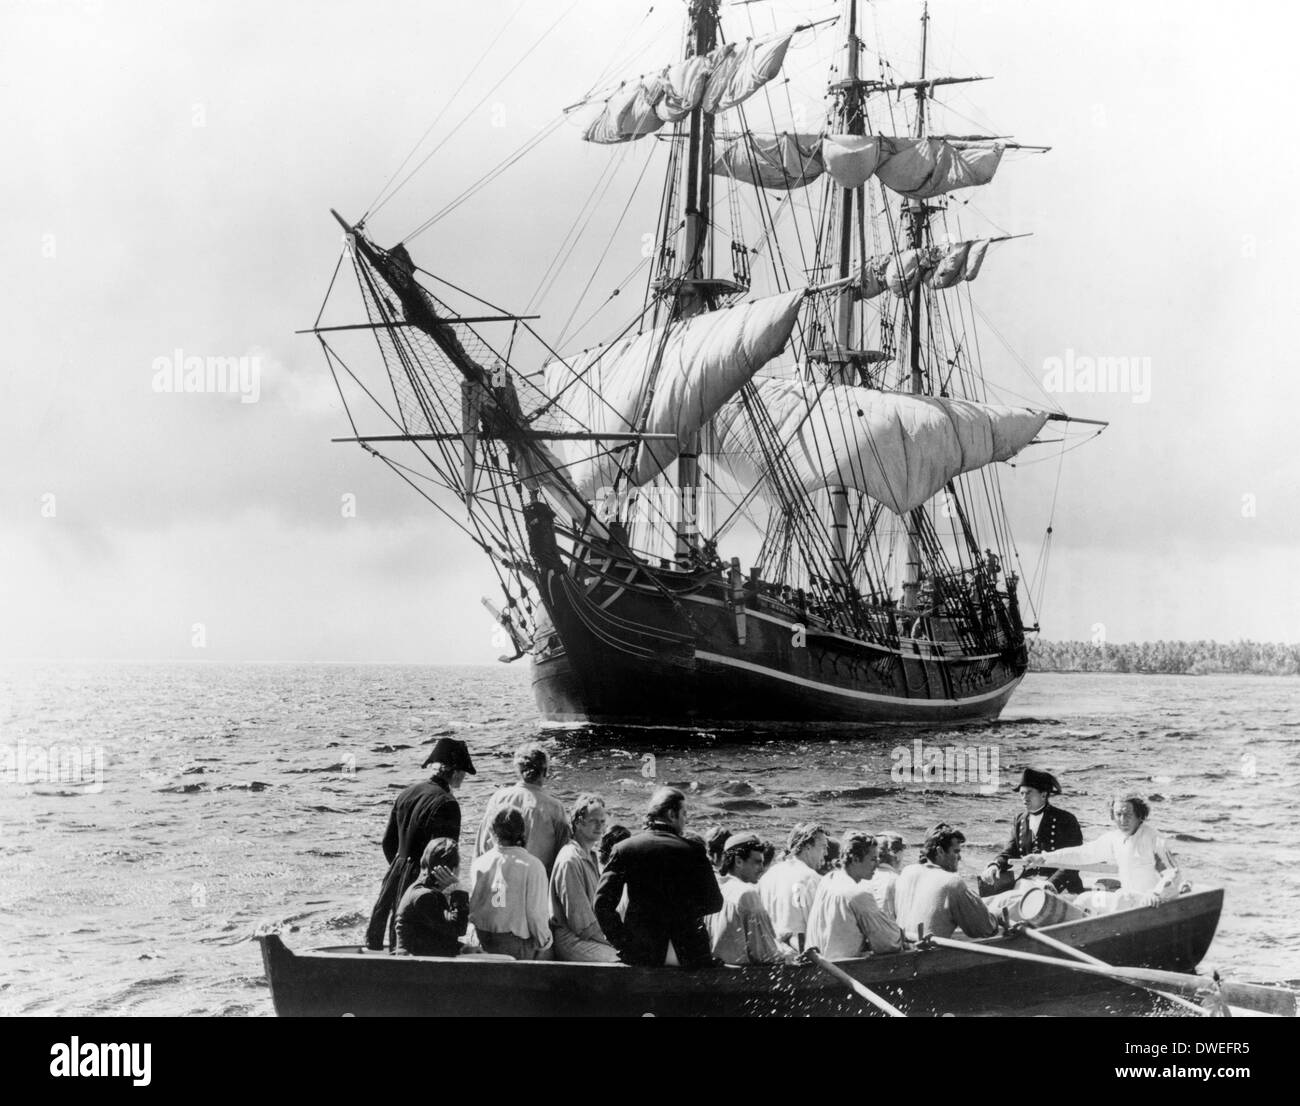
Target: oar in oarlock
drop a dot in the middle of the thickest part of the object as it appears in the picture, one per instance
(1078, 954)
(857, 988)
(1281, 1001)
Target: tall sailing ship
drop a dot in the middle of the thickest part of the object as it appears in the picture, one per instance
(800, 381)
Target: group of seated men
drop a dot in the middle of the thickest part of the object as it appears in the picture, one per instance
(551, 883)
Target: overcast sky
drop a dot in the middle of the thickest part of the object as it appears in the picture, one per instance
(169, 170)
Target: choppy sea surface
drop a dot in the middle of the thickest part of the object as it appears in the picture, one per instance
(213, 800)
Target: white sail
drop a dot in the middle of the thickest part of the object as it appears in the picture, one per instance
(941, 266)
(727, 76)
(703, 362)
(897, 448)
(851, 159)
(684, 85)
(739, 72)
(783, 161)
(914, 167)
(628, 114)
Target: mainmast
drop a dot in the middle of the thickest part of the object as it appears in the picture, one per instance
(692, 290)
(919, 213)
(840, 363)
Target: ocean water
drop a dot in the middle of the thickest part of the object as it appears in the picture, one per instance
(212, 800)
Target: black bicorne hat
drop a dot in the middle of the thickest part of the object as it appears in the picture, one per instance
(1039, 781)
(454, 754)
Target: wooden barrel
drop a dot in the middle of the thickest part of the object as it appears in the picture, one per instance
(1041, 906)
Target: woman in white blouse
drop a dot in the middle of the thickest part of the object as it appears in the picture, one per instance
(1148, 872)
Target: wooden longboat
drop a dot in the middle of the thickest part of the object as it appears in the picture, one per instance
(331, 982)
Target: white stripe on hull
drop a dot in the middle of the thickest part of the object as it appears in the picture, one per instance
(864, 696)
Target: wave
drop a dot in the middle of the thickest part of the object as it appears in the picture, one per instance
(832, 794)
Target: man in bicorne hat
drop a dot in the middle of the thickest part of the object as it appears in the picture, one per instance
(422, 812)
(1035, 826)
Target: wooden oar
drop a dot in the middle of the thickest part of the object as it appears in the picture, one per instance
(1250, 996)
(1079, 954)
(857, 988)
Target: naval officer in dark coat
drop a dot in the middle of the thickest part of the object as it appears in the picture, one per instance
(1037, 824)
(670, 887)
(421, 813)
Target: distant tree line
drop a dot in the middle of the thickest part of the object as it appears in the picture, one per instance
(1184, 658)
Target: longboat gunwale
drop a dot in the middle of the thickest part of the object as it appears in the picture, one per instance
(347, 980)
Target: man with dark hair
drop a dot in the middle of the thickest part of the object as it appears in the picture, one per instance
(889, 852)
(578, 936)
(845, 920)
(933, 897)
(434, 912)
(508, 902)
(420, 813)
(715, 843)
(1038, 828)
(546, 820)
(670, 888)
(741, 932)
(608, 840)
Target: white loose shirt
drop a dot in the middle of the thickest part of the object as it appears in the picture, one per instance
(787, 889)
(1143, 858)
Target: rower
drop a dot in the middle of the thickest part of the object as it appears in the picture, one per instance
(844, 921)
(788, 887)
(931, 895)
(741, 932)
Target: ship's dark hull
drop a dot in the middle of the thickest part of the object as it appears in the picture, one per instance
(644, 647)
(721, 693)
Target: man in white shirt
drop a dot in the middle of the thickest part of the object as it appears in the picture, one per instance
(545, 820)
(788, 887)
(931, 896)
(578, 936)
(844, 920)
(1148, 870)
(889, 862)
(741, 932)
(508, 900)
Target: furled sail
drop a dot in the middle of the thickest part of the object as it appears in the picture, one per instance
(913, 167)
(941, 266)
(628, 114)
(899, 449)
(739, 72)
(725, 77)
(703, 362)
(785, 161)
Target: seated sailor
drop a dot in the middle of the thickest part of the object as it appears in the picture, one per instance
(844, 920)
(508, 902)
(889, 856)
(741, 932)
(578, 935)
(1039, 827)
(434, 913)
(1148, 871)
(932, 896)
(787, 888)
